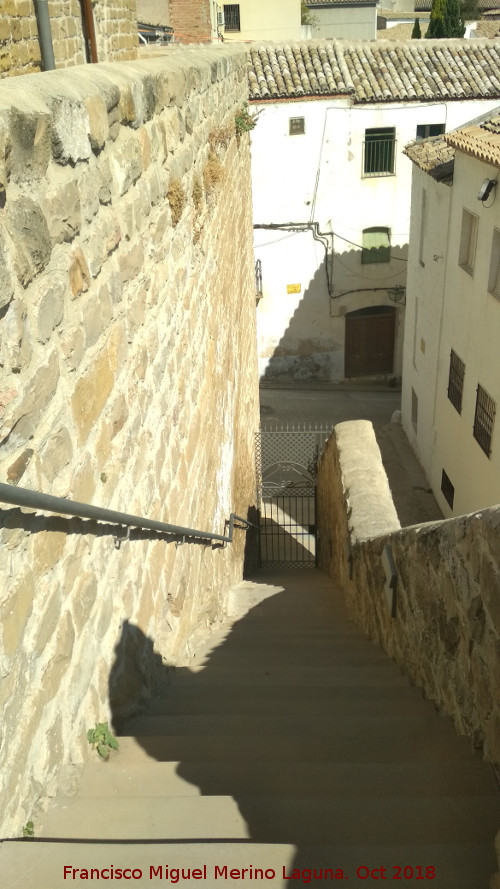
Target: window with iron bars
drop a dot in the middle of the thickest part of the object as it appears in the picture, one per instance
(379, 152)
(484, 419)
(232, 17)
(456, 381)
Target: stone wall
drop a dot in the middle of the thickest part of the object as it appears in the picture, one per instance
(190, 20)
(115, 23)
(446, 632)
(128, 379)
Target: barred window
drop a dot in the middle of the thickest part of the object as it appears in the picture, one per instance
(232, 17)
(456, 381)
(296, 126)
(376, 245)
(484, 419)
(379, 151)
(468, 239)
(447, 489)
(424, 130)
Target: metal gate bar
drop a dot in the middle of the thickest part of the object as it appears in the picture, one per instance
(286, 470)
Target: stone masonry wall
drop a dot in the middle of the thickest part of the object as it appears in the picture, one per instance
(115, 23)
(128, 379)
(446, 632)
(190, 20)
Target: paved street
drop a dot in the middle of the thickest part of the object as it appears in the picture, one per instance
(323, 402)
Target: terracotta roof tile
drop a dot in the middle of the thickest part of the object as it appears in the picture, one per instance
(376, 71)
(480, 137)
(433, 155)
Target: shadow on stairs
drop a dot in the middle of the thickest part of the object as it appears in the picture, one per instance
(290, 751)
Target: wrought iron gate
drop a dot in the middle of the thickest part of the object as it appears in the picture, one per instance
(287, 458)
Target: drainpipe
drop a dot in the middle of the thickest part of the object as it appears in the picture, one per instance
(88, 23)
(44, 34)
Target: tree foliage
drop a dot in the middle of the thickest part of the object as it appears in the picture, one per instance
(306, 16)
(416, 33)
(447, 19)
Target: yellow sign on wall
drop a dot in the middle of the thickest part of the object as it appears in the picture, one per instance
(293, 288)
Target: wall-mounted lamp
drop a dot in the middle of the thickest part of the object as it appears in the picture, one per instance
(486, 189)
(397, 294)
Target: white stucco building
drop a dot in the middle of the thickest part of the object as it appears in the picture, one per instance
(332, 190)
(349, 19)
(451, 375)
(251, 20)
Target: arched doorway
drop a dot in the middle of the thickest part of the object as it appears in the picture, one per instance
(369, 341)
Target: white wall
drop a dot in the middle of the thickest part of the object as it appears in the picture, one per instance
(471, 326)
(350, 22)
(317, 177)
(268, 20)
(425, 285)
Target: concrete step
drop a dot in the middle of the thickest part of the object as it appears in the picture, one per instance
(253, 673)
(270, 699)
(344, 722)
(33, 865)
(429, 779)
(434, 745)
(274, 819)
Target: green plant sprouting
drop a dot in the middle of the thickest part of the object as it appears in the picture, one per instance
(29, 829)
(244, 121)
(102, 740)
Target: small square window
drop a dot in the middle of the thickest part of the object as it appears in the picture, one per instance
(468, 239)
(297, 126)
(484, 419)
(447, 489)
(376, 245)
(379, 151)
(456, 381)
(494, 277)
(232, 17)
(425, 130)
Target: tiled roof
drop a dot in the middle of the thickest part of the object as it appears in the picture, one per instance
(427, 5)
(433, 155)
(480, 137)
(487, 29)
(401, 32)
(375, 71)
(315, 4)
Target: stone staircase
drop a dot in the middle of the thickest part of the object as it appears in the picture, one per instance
(290, 743)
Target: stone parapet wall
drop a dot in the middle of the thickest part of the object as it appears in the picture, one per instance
(128, 379)
(115, 23)
(446, 632)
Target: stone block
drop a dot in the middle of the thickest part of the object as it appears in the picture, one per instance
(27, 226)
(70, 131)
(97, 315)
(89, 194)
(18, 424)
(131, 262)
(63, 211)
(47, 550)
(117, 346)
(50, 308)
(145, 147)
(15, 612)
(98, 122)
(126, 161)
(15, 337)
(30, 135)
(90, 395)
(82, 600)
(57, 667)
(79, 275)
(73, 346)
(56, 453)
(17, 469)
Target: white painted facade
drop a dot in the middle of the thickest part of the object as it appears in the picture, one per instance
(350, 22)
(455, 311)
(267, 20)
(317, 177)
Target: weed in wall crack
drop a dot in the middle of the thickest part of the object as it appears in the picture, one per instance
(213, 172)
(176, 198)
(102, 740)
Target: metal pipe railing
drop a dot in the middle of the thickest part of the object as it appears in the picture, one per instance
(48, 503)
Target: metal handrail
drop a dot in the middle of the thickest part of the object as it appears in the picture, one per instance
(49, 503)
